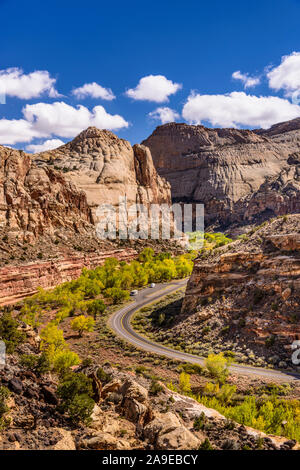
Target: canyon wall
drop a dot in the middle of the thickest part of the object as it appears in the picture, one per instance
(106, 167)
(249, 291)
(223, 168)
(18, 282)
(38, 201)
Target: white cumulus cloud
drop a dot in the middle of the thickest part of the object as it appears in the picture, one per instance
(247, 81)
(56, 119)
(17, 130)
(64, 120)
(164, 115)
(94, 90)
(238, 109)
(47, 145)
(287, 75)
(14, 82)
(155, 88)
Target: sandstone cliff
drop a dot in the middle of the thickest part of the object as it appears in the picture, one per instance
(47, 203)
(20, 281)
(37, 201)
(223, 168)
(245, 297)
(106, 167)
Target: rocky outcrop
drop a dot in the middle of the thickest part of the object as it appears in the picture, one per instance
(224, 168)
(37, 201)
(248, 293)
(18, 282)
(277, 196)
(106, 167)
(34, 422)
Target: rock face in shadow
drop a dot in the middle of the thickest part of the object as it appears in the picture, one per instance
(106, 167)
(224, 168)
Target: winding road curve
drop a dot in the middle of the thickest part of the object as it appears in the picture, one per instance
(120, 324)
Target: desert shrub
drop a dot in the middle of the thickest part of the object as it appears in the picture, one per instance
(273, 416)
(206, 445)
(29, 361)
(75, 392)
(269, 342)
(229, 354)
(155, 388)
(30, 314)
(103, 376)
(199, 422)
(4, 394)
(192, 368)
(141, 369)
(9, 332)
(226, 393)
(37, 364)
(81, 408)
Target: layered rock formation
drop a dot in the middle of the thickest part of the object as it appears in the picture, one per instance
(18, 282)
(106, 167)
(125, 416)
(247, 295)
(223, 168)
(48, 202)
(37, 201)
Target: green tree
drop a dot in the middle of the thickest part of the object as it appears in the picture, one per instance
(184, 382)
(110, 265)
(117, 295)
(92, 288)
(146, 255)
(82, 323)
(96, 307)
(52, 338)
(217, 366)
(57, 351)
(63, 360)
(9, 332)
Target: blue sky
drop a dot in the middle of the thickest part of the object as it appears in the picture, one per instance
(186, 52)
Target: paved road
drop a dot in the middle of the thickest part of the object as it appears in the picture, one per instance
(120, 323)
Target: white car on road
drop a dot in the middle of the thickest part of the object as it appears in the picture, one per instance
(134, 292)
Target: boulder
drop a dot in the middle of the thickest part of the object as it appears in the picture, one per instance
(162, 423)
(179, 438)
(133, 390)
(113, 386)
(16, 386)
(49, 395)
(103, 441)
